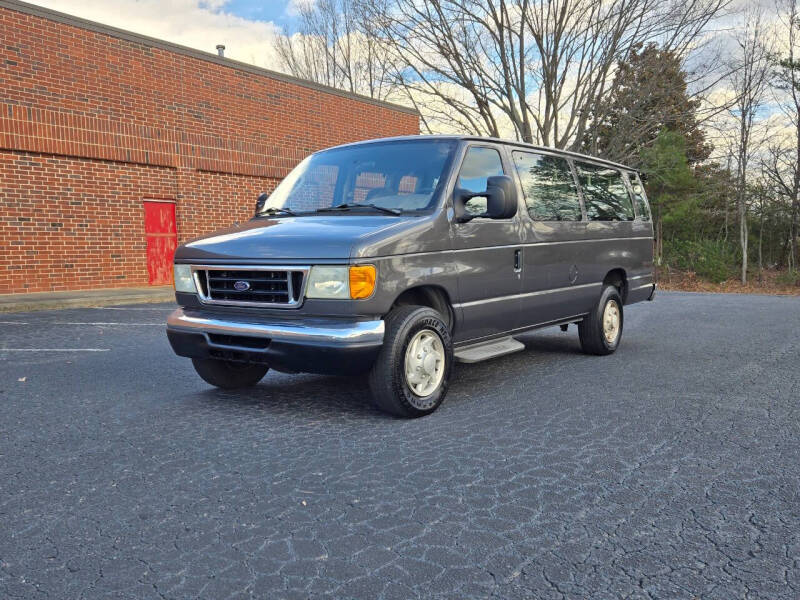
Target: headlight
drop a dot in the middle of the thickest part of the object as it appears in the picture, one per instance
(328, 282)
(341, 282)
(184, 281)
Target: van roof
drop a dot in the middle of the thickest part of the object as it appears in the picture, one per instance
(478, 138)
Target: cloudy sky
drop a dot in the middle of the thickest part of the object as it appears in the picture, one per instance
(246, 27)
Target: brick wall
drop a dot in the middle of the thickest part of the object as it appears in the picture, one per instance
(93, 121)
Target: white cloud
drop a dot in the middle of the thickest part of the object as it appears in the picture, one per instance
(200, 24)
(296, 7)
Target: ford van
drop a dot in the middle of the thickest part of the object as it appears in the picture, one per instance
(397, 257)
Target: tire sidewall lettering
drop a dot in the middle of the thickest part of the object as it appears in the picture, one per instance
(410, 397)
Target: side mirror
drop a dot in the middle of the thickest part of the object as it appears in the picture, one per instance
(501, 200)
(261, 201)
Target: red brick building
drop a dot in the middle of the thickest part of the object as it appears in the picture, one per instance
(114, 147)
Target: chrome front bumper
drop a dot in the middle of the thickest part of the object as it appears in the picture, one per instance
(307, 331)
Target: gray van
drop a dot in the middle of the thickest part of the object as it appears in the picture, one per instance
(396, 257)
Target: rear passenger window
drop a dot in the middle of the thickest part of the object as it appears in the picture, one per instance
(638, 197)
(604, 193)
(548, 186)
(479, 164)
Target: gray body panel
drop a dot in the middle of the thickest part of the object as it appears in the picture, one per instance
(323, 237)
(559, 276)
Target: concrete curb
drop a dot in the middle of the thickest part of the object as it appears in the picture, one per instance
(84, 298)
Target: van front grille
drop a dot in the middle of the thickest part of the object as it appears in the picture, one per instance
(251, 286)
(258, 286)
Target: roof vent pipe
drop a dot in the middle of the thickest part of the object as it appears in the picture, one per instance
(221, 50)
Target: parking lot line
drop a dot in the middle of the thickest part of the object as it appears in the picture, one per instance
(100, 323)
(128, 308)
(54, 350)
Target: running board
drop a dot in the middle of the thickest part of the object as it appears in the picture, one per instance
(486, 350)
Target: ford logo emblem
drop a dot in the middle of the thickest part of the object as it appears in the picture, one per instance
(241, 286)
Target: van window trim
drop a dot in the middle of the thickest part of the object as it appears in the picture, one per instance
(521, 190)
(579, 187)
(638, 217)
(504, 162)
(629, 186)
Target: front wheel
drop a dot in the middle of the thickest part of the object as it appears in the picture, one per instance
(412, 371)
(601, 330)
(227, 374)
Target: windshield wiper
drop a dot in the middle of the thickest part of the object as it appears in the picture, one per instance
(348, 206)
(274, 210)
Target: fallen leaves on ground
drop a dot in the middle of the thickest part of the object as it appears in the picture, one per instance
(688, 281)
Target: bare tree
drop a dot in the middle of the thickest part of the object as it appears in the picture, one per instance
(749, 80)
(779, 167)
(783, 165)
(536, 67)
(335, 45)
(760, 193)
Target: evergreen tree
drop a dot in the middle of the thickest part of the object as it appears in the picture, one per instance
(649, 96)
(670, 181)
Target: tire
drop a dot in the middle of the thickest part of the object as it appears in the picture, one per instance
(229, 375)
(594, 327)
(391, 389)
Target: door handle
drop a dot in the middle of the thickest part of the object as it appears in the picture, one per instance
(517, 260)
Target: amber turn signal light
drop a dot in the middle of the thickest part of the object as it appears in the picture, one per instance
(362, 281)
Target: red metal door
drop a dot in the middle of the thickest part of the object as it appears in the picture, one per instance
(162, 239)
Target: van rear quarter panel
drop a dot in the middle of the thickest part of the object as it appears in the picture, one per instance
(565, 267)
(626, 245)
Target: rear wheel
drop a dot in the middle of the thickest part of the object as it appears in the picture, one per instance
(412, 372)
(228, 374)
(601, 330)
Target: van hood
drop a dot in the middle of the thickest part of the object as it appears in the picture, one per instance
(292, 238)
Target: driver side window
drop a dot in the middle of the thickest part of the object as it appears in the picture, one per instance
(479, 164)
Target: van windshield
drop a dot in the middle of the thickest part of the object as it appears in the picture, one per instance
(382, 177)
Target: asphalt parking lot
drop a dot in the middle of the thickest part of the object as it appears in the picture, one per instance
(670, 469)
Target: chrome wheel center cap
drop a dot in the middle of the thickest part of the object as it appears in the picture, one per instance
(424, 363)
(611, 321)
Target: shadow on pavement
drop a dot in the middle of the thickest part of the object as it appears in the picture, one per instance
(305, 394)
(320, 395)
(566, 343)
